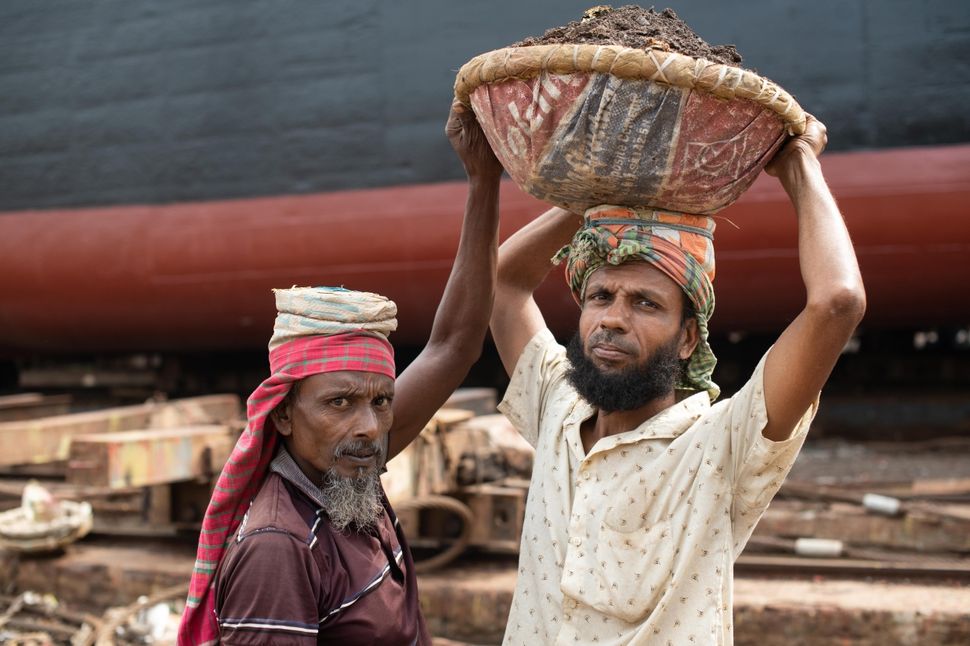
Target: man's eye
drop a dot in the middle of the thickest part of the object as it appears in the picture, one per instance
(648, 303)
(382, 401)
(339, 402)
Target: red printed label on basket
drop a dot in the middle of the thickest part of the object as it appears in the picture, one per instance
(522, 116)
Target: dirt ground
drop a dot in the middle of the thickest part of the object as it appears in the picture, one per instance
(633, 26)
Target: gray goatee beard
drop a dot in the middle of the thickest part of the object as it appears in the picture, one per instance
(354, 502)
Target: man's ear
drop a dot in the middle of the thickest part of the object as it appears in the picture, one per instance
(282, 416)
(688, 339)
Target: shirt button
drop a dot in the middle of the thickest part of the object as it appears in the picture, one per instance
(576, 540)
(585, 475)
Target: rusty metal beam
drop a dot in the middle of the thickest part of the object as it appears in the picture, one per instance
(148, 457)
(48, 439)
(169, 292)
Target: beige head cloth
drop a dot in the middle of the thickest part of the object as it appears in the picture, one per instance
(307, 311)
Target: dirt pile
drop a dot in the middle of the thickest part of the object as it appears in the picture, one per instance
(633, 26)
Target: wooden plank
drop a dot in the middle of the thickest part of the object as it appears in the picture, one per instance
(40, 471)
(48, 439)
(82, 376)
(926, 488)
(12, 489)
(447, 418)
(148, 457)
(853, 525)
(480, 401)
(23, 406)
(825, 493)
(20, 399)
(918, 567)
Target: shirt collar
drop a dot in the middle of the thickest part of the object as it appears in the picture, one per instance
(289, 470)
(667, 424)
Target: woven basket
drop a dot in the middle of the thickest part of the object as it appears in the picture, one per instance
(584, 125)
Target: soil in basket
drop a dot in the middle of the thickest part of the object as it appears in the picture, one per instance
(633, 26)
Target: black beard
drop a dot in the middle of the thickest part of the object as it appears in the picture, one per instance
(626, 389)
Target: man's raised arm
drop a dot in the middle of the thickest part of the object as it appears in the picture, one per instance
(523, 263)
(803, 357)
(461, 321)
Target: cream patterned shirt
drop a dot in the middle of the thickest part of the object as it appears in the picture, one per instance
(635, 542)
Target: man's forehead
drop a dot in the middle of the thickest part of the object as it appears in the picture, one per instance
(631, 275)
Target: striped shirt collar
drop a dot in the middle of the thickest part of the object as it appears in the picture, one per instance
(286, 466)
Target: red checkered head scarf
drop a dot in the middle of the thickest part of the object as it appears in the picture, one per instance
(317, 330)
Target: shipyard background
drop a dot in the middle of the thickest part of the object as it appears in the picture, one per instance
(164, 165)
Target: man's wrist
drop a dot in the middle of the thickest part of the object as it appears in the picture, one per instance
(484, 180)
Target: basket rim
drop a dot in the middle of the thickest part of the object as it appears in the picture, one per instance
(657, 65)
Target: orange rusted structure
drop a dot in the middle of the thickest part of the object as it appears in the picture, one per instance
(197, 276)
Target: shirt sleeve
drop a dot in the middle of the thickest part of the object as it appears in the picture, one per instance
(759, 465)
(268, 592)
(541, 369)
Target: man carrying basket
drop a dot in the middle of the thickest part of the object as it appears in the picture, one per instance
(644, 491)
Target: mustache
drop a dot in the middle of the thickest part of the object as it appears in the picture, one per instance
(609, 337)
(359, 449)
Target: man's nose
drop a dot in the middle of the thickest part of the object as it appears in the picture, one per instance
(615, 317)
(367, 425)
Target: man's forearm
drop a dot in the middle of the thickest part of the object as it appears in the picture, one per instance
(524, 262)
(826, 256)
(462, 316)
(459, 324)
(802, 358)
(525, 258)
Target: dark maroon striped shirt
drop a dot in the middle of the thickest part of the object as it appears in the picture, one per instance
(289, 578)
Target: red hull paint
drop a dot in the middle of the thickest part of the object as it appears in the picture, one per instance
(196, 276)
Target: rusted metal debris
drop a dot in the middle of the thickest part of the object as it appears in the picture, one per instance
(145, 469)
(472, 461)
(150, 456)
(31, 618)
(48, 439)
